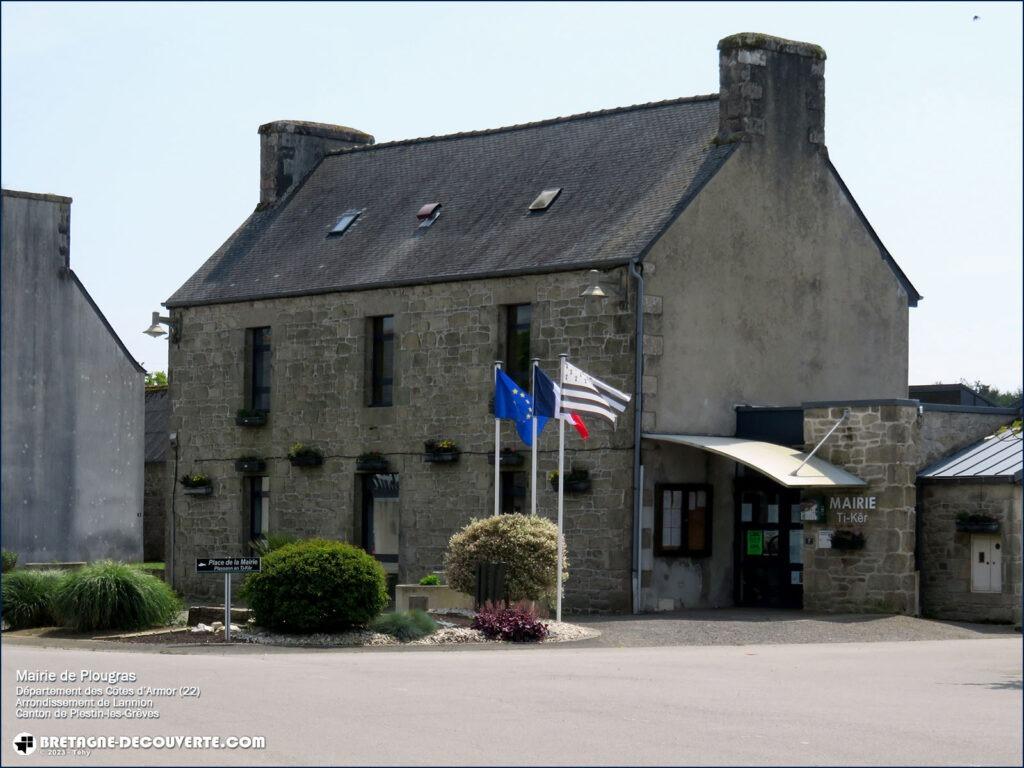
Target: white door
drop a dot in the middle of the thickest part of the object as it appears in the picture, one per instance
(986, 564)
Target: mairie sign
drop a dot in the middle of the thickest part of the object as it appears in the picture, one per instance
(227, 564)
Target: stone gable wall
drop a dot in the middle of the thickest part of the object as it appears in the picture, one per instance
(447, 337)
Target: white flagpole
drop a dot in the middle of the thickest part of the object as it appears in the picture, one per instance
(561, 484)
(497, 444)
(533, 472)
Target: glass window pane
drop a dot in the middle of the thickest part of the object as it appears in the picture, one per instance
(697, 524)
(794, 513)
(747, 512)
(773, 513)
(796, 547)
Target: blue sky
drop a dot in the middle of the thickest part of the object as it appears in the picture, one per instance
(146, 115)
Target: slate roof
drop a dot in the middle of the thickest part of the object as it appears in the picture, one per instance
(998, 457)
(625, 175)
(158, 415)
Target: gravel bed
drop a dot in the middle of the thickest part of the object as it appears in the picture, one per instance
(561, 632)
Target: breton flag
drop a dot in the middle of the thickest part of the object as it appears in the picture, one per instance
(582, 392)
(545, 395)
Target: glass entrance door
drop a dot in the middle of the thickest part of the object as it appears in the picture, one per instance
(769, 544)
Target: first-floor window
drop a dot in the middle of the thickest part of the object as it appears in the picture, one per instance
(513, 492)
(682, 520)
(259, 507)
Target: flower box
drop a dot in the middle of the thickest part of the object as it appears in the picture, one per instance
(306, 460)
(376, 465)
(251, 419)
(847, 540)
(572, 485)
(440, 452)
(977, 525)
(200, 490)
(250, 466)
(508, 459)
(441, 457)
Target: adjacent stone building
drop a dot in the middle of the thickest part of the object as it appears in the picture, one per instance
(159, 476)
(969, 507)
(702, 253)
(72, 401)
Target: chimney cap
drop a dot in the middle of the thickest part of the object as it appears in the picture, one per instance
(763, 42)
(323, 130)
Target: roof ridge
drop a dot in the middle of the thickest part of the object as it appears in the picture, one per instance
(523, 126)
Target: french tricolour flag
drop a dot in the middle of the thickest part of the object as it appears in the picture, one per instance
(547, 400)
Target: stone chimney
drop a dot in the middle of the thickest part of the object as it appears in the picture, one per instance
(290, 149)
(771, 90)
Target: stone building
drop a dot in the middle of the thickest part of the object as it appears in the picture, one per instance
(159, 474)
(969, 509)
(72, 401)
(360, 306)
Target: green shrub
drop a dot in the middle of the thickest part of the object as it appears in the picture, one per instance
(28, 598)
(108, 595)
(266, 544)
(10, 560)
(527, 545)
(410, 625)
(316, 586)
(430, 580)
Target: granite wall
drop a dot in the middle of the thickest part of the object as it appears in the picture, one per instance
(946, 553)
(447, 337)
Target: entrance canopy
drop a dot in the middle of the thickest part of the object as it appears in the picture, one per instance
(778, 462)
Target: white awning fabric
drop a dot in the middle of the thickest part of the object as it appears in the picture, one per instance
(776, 461)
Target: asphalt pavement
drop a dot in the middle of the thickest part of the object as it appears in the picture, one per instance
(932, 702)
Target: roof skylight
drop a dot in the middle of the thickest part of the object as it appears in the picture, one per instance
(346, 221)
(428, 214)
(545, 199)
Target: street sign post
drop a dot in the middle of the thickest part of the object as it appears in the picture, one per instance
(228, 566)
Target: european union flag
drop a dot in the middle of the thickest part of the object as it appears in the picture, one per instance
(512, 402)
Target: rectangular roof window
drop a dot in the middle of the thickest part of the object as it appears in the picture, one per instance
(545, 198)
(346, 220)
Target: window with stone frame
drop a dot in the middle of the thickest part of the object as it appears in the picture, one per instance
(517, 343)
(682, 520)
(259, 369)
(382, 361)
(258, 498)
(513, 493)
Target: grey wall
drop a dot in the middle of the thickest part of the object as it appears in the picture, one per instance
(768, 290)
(72, 451)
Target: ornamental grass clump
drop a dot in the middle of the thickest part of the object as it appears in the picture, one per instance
(516, 623)
(527, 545)
(28, 598)
(405, 626)
(316, 585)
(109, 595)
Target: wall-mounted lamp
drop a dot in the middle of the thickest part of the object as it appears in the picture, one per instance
(598, 287)
(156, 331)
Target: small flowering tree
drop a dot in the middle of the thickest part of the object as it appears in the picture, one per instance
(527, 545)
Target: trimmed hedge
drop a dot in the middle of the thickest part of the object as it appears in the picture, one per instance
(109, 595)
(28, 598)
(316, 586)
(528, 545)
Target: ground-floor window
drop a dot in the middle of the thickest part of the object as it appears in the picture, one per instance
(380, 518)
(259, 507)
(682, 520)
(513, 493)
